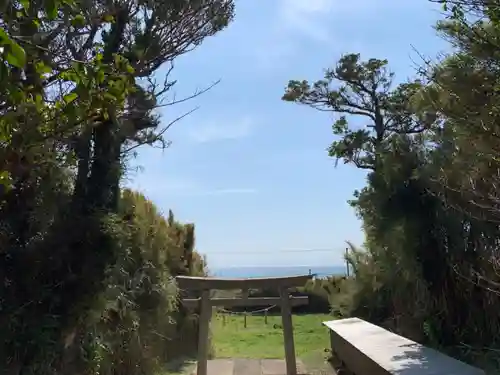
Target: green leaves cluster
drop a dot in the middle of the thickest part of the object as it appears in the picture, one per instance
(90, 87)
(12, 52)
(141, 296)
(363, 89)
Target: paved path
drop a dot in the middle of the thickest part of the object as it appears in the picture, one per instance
(250, 367)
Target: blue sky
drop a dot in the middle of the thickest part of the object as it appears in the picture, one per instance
(252, 171)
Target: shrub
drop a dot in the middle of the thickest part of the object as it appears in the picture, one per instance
(137, 325)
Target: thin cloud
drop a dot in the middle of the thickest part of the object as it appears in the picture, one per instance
(301, 21)
(308, 18)
(200, 192)
(294, 19)
(185, 187)
(230, 191)
(153, 183)
(211, 131)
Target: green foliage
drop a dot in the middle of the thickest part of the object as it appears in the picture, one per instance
(321, 293)
(429, 267)
(363, 89)
(136, 327)
(78, 95)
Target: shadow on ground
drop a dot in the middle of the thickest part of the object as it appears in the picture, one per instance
(182, 366)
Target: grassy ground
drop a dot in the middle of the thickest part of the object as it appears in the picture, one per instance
(259, 340)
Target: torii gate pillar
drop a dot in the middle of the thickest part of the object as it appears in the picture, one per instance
(205, 303)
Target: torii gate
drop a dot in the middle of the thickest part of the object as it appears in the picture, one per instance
(205, 303)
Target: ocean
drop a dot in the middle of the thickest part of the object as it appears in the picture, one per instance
(270, 271)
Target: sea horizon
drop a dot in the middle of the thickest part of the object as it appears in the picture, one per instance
(276, 271)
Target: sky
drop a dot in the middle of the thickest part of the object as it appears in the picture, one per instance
(252, 171)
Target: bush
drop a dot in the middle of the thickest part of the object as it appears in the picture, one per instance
(384, 294)
(320, 292)
(137, 325)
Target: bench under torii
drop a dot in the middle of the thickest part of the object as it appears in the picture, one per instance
(205, 304)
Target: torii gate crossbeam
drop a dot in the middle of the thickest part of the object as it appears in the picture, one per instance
(205, 303)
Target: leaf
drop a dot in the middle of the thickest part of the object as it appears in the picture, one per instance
(41, 68)
(68, 98)
(130, 69)
(18, 95)
(38, 99)
(108, 18)
(109, 97)
(100, 76)
(78, 67)
(70, 76)
(4, 37)
(51, 8)
(78, 21)
(15, 55)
